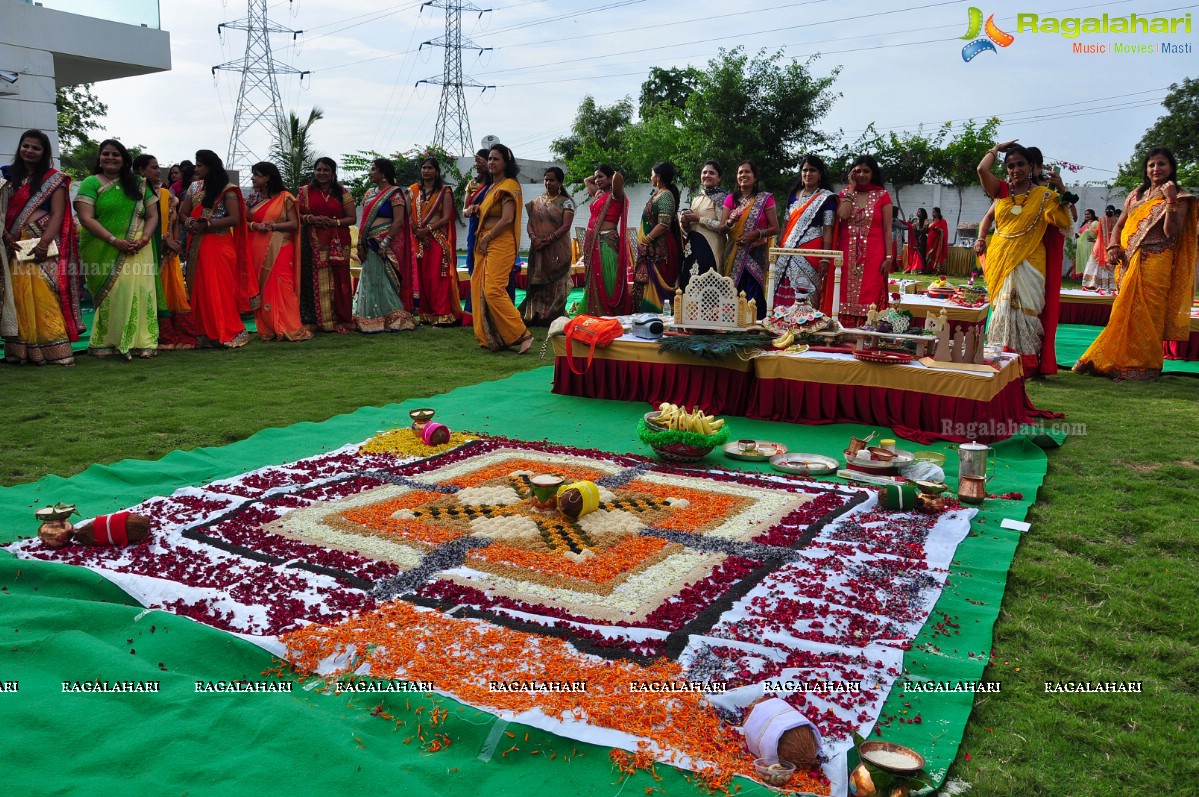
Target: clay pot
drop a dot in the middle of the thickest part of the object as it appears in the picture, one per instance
(56, 533)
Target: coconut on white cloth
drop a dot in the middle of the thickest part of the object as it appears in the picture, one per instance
(768, 721)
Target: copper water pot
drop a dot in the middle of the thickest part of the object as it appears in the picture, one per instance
(972, 489)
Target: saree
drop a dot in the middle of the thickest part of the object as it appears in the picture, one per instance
(860, 239)
(606, 258)
(1084, 244)
(938, 246)
(806, 219)
(704, 241)
(218, 271)
(275, 259)
(917, 254)
(1098, 274)
(549, 267)
(1156, 290)
(384, 285)
(656, 274)
(746, 264)
(40, 309)
(123, 287)
(497, 323)
(475, 192)
(1015, 267)
(436, 263)
(326, 296)
(175, 330)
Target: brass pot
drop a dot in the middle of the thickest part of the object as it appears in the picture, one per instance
(972, 489)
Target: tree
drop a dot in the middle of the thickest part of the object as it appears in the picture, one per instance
(596, 136)
(79, 112)
(762, 108)
(1176, 131)
(905, 158)
(354, 168)
(956, 163)
(667, 89)
(293, 148)
(80, 160)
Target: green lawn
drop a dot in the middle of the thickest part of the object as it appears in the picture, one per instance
(1102, 587)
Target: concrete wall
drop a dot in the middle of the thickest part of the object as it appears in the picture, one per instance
(50, 48)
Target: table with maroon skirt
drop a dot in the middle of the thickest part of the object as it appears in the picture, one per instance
(920, 403)
(1091, 308)
(922, 306)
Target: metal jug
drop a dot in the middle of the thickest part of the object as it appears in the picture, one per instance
(972, 459)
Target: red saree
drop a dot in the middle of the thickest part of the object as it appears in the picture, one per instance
(326, 296)
(938, 246)
(218, 268)
(275, 257)
(606, 259)
(436, 264)
(860, 238)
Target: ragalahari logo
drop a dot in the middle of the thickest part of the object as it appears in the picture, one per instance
(979, 45)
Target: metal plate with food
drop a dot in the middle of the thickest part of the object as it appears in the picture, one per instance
(804, 464)
(883, 357)
(753, 450)
(901, 458)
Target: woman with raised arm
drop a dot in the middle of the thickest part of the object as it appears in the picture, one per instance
(605, 247)
(497, 322)
(327, 212)
(434, 224)
(811, 214)
(223, 284)
(659, 247)
(385, 249)
(1015, 261)
(1153, 244)
(550, 217)
(41, 314)
(751, 220)
(864, 214)
(119, 215)
(275, 255)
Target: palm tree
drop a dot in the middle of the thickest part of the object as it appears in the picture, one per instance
(293, 149)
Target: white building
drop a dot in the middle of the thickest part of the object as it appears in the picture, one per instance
(48, 44)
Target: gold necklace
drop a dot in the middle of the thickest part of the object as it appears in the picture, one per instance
(1018, 206)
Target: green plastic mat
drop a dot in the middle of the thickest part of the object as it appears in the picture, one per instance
(1073, 339)
(69, 624)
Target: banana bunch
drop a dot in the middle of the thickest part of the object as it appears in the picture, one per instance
(672, 416)
(784, 340)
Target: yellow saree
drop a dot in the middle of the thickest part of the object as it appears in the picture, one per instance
(497, 322)
(1015, 267)
(1155, 292)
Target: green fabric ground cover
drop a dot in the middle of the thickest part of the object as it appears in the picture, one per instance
(70, 624)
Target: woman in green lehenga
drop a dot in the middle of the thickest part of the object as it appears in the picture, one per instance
(384, 297)
(119, 213)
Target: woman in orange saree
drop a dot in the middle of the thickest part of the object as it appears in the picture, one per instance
(435, 225)
(41, 314)
(497, 322)
(327, 211)
(1156, 237)
(218, 262)
(275, 255)
(938, 244)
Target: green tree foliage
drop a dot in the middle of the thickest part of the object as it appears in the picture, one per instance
(667, 90)
(293, 150)
(79, 113)
(353, 169)
(596, 136)
(906, 158)
(80, 160)
(1178, 130)
(956, 163)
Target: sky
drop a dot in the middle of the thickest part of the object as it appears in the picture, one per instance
(901, 66)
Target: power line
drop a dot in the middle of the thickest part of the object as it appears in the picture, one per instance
(453, 117)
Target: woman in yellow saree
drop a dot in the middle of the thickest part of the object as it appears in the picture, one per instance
(274, 244)
(40, 315)
(1153, 244)
(497, 322)
(1014, 264)
(174, 308)
(119, 214)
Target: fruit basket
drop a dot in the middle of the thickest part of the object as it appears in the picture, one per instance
(677, 435)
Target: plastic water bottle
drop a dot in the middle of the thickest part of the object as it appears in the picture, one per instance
(667, 312)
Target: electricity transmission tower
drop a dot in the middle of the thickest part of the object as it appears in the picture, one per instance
(258, 98)
(453, 120)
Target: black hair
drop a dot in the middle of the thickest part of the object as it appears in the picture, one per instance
(876, 174)
(715, 166)
(1091, 211)
(559, 175)
(1169, 156)
(666, 174)
(510, 167)
(18, 171)
(142, 161)
(815, 162)
(187, 173)
(386, 168)
(274, 180)
(1016, 149)
(753, 167)
(922, 214)
(217, 179)
(128, 179)
(605, 170)
(335, 186)
(936, 213)
(1035, 157)
(1110, 210)
(438, 182)
(482, 153)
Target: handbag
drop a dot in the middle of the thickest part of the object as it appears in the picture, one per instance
(25, 250)
(590, 331)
